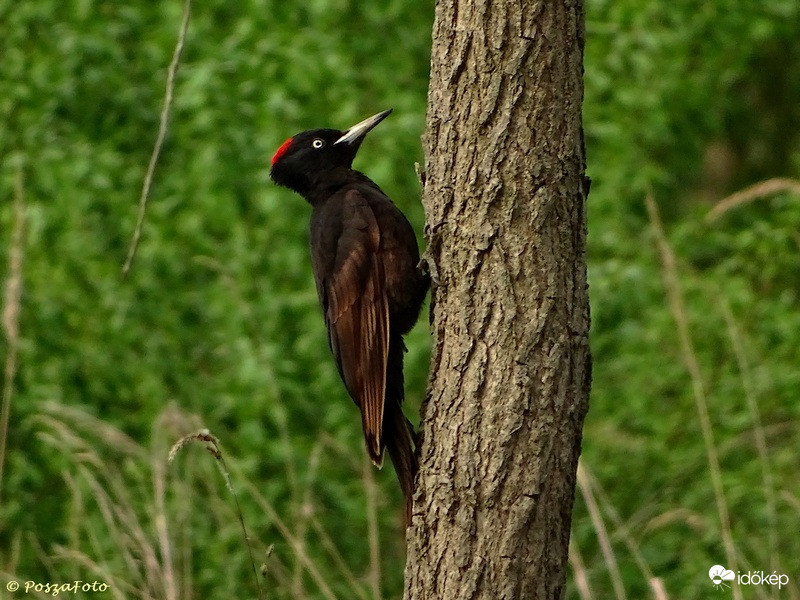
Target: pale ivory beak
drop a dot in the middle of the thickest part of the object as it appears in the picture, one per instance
(359, 130)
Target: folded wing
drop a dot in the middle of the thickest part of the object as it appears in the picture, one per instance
(357, 315)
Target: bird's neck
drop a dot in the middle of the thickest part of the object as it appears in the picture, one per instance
(324, 185)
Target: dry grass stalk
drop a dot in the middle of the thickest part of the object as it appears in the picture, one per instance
(11, 308)
(678, 309)
(142, 560)
(274, 567)
(681, 515)
(602, 533)
(44, 559)
(165, 547)
(791, 500)
(621, 532)
(371, 492)
(162, 133)
(213, 446)
(304, 511)
(757, 191)
(145, 557)
(768, 482)
(114, 529)
(338, 559)
(298, 548)
(657, 585)
(117, 588)
(111, 495)
(579, 573)
(78, 420)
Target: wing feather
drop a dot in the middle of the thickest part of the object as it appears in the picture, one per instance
(357, 316)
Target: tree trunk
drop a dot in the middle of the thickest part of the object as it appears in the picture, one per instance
(505, 199)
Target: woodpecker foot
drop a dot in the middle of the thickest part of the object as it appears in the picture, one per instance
(427, 266)
(420, 174)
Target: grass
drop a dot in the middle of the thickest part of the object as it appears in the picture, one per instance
(11, 310)
(625, 559)
(131, 510)
(678, 309)
(159, 524)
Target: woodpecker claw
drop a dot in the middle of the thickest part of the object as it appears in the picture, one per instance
(427, 266)
(421, 175)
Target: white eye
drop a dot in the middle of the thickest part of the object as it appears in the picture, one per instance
(317, 143)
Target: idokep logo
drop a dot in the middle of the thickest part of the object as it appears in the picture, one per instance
(719, 575)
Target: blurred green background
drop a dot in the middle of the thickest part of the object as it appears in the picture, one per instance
(218, 324)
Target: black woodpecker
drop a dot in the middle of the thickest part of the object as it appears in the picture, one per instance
(364, 255)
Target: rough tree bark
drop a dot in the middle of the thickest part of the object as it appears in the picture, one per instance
(505, 200)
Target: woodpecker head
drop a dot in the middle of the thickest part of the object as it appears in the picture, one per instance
(305, 160)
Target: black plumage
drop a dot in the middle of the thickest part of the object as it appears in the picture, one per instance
(365, 260)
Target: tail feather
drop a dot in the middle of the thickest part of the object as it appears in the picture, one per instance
(374, 446)
(398, 434)
(404, 459)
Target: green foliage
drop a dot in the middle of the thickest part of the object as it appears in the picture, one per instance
(218, 324)
(689, 103)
